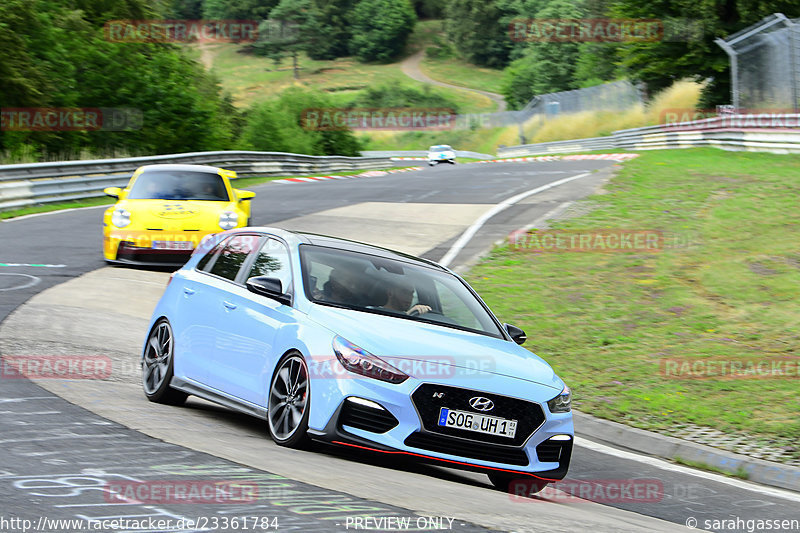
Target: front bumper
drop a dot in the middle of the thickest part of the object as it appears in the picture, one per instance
(137, 246)
(545, 453)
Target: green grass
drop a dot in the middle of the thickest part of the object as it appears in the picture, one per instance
(606, 320)
(46, 208)
(251, 79)
(740, 472)
(458, 72)
(451, 70)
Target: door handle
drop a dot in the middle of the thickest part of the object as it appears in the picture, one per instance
(229, 305)
(187, 291)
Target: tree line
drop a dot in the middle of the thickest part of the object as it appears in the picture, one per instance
(54, 55)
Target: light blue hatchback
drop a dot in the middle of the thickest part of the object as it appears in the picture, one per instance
(360, 346)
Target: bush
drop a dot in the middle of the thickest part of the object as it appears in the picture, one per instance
(439, 52)
(276, 126)
(403, 96)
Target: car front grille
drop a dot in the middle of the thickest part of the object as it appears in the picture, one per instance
(470, 450)
(127, 251)
(429, 399)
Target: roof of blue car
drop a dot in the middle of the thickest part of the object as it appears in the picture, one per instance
(355, 246)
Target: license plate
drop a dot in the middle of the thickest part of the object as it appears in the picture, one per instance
(172, 245)
(491, 425)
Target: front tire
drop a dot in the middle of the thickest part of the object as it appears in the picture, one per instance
(157, 366)
(288, 402)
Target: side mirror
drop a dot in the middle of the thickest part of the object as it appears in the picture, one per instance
(113, 192)
(245, 195)
(517, 335)
(269, 287)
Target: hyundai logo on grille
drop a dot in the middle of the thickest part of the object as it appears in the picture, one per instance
(479, 403)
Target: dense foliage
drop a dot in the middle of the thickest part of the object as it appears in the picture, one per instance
(480, 32)
(381, 28)
(278, 125)
(370, 30)
(55, 55)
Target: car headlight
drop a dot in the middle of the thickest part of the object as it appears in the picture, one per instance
(561, 403)
(121, 217)
(228, 220)
(360, 361)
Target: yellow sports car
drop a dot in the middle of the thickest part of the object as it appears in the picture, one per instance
(166, 210)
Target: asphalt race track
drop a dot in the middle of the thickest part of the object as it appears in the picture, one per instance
(65, 442)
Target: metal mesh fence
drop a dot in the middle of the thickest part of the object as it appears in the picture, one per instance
(765, 64)
(612, 96)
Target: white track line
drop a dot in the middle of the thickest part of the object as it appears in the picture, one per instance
(32, 280)
(505, 204)
(664, 465)
(46, 213)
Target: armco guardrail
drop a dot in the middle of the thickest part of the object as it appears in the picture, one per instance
(424, 153)
(765, 132)
(28, 184)
(558, 147)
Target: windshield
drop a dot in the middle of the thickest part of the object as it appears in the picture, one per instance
(386, 286)
(440, 148)
(179, 185)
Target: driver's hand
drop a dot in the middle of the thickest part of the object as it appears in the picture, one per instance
(419, 309)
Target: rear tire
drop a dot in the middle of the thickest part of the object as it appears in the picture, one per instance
(157, 366)
(513, 484)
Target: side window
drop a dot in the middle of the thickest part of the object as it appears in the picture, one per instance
(273, 261)
(205, 261)
(233, 255)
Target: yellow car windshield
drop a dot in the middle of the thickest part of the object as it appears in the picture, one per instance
(179, 185)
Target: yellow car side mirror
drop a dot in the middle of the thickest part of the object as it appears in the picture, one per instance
(244, 195)
(113, 192)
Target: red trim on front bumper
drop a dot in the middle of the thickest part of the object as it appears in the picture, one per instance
(442, 460)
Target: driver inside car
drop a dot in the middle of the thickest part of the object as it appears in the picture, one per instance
(400, 296)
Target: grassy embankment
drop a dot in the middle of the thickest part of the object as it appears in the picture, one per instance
(608, 321)
(250, 79)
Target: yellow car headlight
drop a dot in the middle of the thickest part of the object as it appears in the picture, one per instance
(228, 219)
(121, 217)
